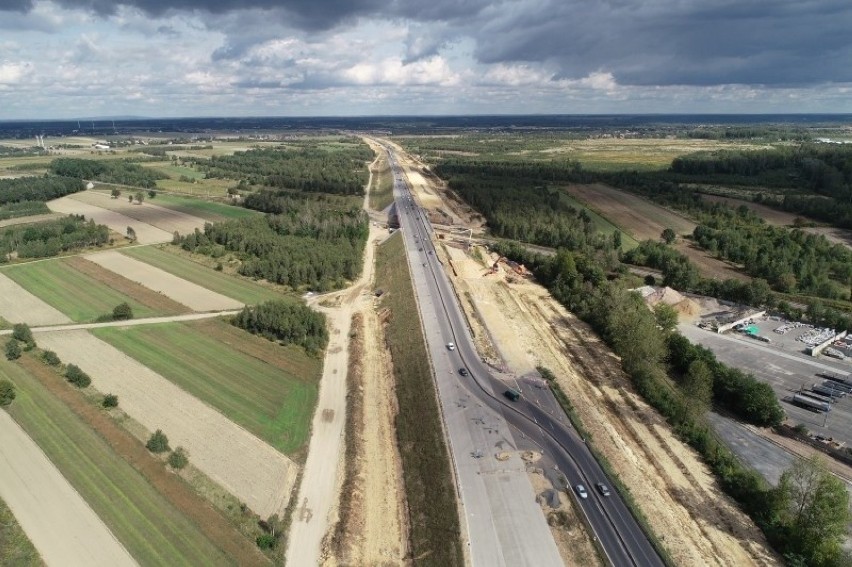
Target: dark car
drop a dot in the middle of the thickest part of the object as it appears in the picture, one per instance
(602, 488)
(463, 371)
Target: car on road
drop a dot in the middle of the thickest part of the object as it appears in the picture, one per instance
(581, 491)
(512, 394)
(602, 488)
(463, 371)
(451, 346)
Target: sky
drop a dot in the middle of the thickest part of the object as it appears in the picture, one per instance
(164, 58)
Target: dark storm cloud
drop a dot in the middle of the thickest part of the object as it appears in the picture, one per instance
(641, 42)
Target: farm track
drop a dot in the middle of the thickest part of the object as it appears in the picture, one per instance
(209, 521)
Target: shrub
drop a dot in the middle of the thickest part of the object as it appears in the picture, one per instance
(22, 332)
(179, 458)
(51, 358)
(266, 541)
(110, 401)
(76, 376)
(7, 392)
(122, 312)
(13, 350)
(158, 443)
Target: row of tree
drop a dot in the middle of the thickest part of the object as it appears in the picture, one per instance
(287, 322)
(121, 172)
(309, 168)
(50, 238)
(42, 189)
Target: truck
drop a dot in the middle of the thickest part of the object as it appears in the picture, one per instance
(811, 403)
(512, 394)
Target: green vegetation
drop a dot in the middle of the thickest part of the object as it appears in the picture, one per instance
(306, 167)
(7, 394)
(152, 530)
(433, 515)
(122, 312)
(179, 458)
(76, 376)
(75, 294)
(268, 389)
(13, 350)
(158, 442)
(313, 241)
(27, 189)
(120, 172)
(110, 401)
(22, 209)
(50, 238)
(50, 358)
(285, 321)
(381, 193)
(21, 332)
(15, 547)
(207, 210)
(238, 288)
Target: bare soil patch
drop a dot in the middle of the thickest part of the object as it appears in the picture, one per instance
(676, 491)
(186, 293)
(770, 215)
(148, 212)
(209, 521)
(17, 305)
(244, 465)
(145, 233)
(140, 293)
(62, 527)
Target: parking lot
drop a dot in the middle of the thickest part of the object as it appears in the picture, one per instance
(784, 366)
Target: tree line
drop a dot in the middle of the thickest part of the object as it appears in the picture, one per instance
(309, 168)
(310, 243)
(50, 238)
(46, 188)
(287, 322)
(121, 172)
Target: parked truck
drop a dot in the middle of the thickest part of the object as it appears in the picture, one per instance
(811, 403)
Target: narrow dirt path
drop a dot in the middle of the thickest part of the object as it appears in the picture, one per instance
(62, 527)
(128, 323)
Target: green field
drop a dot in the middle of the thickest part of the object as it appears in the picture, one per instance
(152, 530)
(15, 547)
(241, 289)
(77, 295)
(381, 193)
(207, 210)
(273, 401)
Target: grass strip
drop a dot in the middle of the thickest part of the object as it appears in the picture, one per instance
(77, 295)
(15, 547)
(432, 508)
(153, 531)
(622, 488)
(272, 396)
(381, 193)
(178, 264)
(208, 210)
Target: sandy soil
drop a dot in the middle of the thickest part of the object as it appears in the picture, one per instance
(244, 465)
(678, 494)
(145, 233)
(17, 305)
(644, 220)
(186, 293)
(148, 212)
(62, 527)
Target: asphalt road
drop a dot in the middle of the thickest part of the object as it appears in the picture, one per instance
(536, 416)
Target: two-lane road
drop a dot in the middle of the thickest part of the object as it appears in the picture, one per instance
(539, 417)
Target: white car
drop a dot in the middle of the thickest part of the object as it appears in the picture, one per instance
(451, 346)
(581, 491)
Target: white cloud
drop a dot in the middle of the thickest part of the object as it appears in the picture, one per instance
(393, 71)
(12, 73)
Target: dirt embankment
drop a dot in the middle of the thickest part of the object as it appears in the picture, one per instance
(371, 529)
(676, 491)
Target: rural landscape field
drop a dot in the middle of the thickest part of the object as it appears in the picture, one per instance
(219, 349)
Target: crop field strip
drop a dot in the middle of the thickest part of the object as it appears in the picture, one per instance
(249, 379)
(148, 212)
(15, 547)
(241, 289)
(207, 210)
(152, 530)
(77, 294)
(175, 490)
(603, 225)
